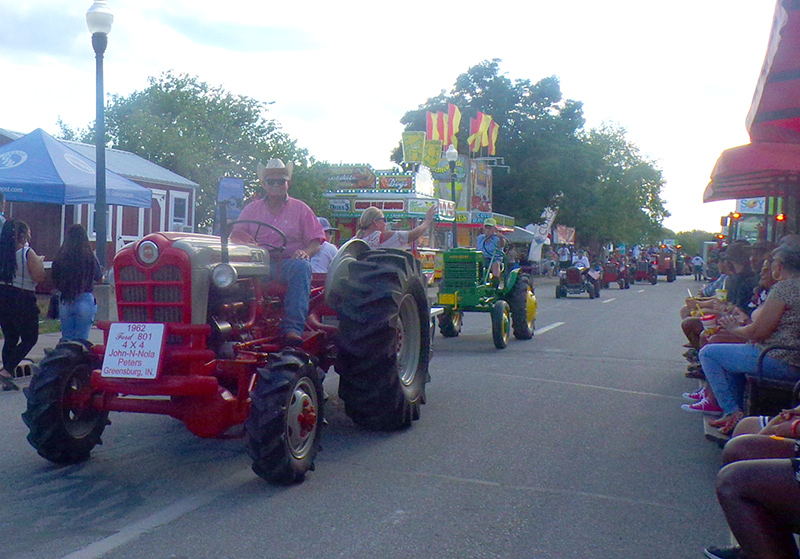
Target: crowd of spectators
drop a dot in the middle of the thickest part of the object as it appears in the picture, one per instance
(754, 304)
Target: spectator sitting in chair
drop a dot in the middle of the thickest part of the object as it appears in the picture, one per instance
(776, 323)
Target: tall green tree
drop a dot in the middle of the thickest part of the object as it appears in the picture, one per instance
(601, 184)
(204, 133)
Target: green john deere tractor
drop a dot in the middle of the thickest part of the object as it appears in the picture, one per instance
(467, 286)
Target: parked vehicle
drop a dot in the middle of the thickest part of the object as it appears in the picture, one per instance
(199, 340)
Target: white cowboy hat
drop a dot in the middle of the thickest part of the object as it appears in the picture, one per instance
(275, 168)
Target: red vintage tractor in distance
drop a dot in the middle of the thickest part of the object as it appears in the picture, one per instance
(199, 340)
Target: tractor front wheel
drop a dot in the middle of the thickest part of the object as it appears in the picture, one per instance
(501, 322)
(284, 428)
(383, 340)
(523, 308)
(64, 428)
(450, 323)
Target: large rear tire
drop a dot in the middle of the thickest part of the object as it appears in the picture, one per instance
(501, 324)
(519, 299)
(383, 340)
(284, 428)
(450, 323)
(63, 427)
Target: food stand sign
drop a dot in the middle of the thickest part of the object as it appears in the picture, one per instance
(413, 146)
(387, 206)
(350, 177)
(398, 181)
(419, 206)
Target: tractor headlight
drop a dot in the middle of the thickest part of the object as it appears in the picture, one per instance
(147, 252)
(223, 275)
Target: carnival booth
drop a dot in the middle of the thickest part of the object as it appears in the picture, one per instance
(403, 197)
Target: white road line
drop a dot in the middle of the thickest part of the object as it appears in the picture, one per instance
(547, 328)
(609, 300)
(160, 518)
(640, 291)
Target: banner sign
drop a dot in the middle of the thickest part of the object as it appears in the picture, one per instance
(387, 206)
(340, 205)
(750, 206)
(395, 181)
(481, 175)
(413, 147)
(433, 153)
(419, 206)
(441, 170)
(351, 177)
(446, 210)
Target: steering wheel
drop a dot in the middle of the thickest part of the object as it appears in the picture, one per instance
(269, 247)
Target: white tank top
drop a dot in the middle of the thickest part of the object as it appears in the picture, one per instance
(23, 279)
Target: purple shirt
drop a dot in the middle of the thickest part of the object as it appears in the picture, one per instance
(295, 219)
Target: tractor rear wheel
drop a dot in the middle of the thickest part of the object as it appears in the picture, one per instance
(520, 297)
(501, 324)
(63, 427)
(450, 323)
(383, 340)
(284, 428)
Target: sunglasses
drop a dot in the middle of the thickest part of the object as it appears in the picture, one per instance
(275, 182)
(380, 219)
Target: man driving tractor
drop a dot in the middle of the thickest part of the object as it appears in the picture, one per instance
(304, 236)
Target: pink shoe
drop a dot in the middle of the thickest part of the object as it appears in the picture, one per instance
(704, 406)
(695, 396)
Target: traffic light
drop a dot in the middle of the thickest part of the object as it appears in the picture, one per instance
(780, 217)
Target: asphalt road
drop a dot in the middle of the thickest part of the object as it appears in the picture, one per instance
(569, 445)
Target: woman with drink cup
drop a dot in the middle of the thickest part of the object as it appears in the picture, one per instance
(777, 323)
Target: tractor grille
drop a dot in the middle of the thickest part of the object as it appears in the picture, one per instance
(158, 295)
(461, 275)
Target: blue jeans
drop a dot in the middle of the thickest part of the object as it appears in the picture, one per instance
(77, 317)
(296, 274)
(725, 366)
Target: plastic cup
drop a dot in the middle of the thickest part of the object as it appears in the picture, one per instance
(722, 295)
(709, 321)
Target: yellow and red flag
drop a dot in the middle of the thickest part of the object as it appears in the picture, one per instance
(453, 124)
(474, 139)
(432, 126)
(493, 132)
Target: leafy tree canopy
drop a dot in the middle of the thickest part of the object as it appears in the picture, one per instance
(601, 183)
(204, 133)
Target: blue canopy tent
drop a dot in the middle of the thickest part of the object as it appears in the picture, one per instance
(39, 168)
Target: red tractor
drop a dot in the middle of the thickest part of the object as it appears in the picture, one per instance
(199, 340)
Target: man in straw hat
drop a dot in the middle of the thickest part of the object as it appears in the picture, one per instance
(304, 235)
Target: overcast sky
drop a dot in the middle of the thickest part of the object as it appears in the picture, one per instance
(678, 76)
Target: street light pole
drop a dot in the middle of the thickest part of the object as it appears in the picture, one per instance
(99, 19)
(452, 156)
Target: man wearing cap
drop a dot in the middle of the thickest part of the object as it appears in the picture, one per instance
(304, 235)
(491, 244)
(321, 261)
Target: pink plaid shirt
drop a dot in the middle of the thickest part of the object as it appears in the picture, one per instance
(295, 219)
